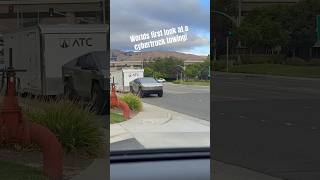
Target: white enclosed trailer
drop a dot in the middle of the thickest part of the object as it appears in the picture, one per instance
(43, 49)
(123, 77)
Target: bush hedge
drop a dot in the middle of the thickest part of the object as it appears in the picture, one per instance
(296, 61)
(314, 62)
(77, 129)
(263, 59)
(134, 102)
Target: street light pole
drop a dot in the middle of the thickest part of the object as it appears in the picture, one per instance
(184, 68)
(104, 11)
(238, 25)
(228, 53)
(239, 12)
(235, 21)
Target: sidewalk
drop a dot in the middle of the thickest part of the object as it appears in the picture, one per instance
(156, 127)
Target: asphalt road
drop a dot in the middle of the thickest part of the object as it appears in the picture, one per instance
(186, 99)
(268, 124)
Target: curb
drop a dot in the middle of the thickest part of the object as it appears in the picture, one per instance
(170, 114)
(169, 117)
(187, 85)
(120, 137)
(267, 76)
(123, 135)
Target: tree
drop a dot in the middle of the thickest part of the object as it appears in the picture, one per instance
(167, 67)
(158, 75)
(191, 71)
(260, 30)
(198, 71)
(148, 72)
(292, 27)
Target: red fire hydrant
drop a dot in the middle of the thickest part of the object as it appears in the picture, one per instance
(14, 128)
(115, 101)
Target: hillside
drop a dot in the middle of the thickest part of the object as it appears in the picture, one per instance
(138, 56)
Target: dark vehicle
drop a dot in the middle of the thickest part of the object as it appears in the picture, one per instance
(87, 77)
(146, 86)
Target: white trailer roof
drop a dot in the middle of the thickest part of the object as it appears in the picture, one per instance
(65, 28)
(74, 28)
(27, 2)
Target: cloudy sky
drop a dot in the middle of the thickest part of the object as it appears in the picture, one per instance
(133, 17)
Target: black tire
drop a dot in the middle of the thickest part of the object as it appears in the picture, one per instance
(131, 89)
(140, 93)
(69, 91)
(160, 94)
(98, 100)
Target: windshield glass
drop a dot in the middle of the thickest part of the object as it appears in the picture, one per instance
(102, 59)
(148, 80)
(167, 40)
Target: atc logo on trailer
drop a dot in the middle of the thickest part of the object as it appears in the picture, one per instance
(75, 42)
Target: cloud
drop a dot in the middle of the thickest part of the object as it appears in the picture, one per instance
(130, 17)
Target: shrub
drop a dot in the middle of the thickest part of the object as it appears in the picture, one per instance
(262, 59)
(134, 102)
(219, 65)
(77, 129)
(296, 61)
(279, 59)
(314, 62)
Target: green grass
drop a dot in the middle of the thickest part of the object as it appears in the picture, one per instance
(13, 171)
(116, 118)
(193, 82)
(278, 69)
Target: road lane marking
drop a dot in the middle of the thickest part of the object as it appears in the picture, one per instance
(314, 127)
(288, 124)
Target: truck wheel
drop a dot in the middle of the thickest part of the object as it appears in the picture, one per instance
(131, 89)
(97, 99)
(160, 94)
(68, 90)
(140, 93)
